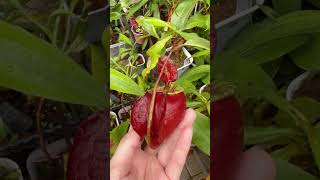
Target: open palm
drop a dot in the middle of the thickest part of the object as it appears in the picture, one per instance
(130, 162)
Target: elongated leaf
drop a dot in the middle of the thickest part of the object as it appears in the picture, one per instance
(198, 20)
(125, 39)
(286, 6)
(99, 64)
(154, 53)
(274, 49)
(116, 135)
(307, 56)
(136, 7)
(196, 41)
(201, 53)
(309, 107)
(182, 13)
(37, 68)
(201, 133)
(153, 21)
(286, 170)
(289, 151)
(260, 135)
(187, 86)
(148, 27)
(195, 73)
(292, 24)
(155, 9)
(114, 16)
(122, 83)
(105, 40)
(250, 79)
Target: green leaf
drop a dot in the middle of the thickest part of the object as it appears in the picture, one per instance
(289, 151)
(125, 39)
(116, 135)
(187, 86)
(61, 12)
(148, 27)
(195, 41)
(271, 13)
(206, 79)
(201, 133)
(198, 20)
(182, 13)
(155, 9)
(37, 68)
(250, 80)
(122, 83)
(201, 53)
(136, 7)
(154, 52)
(308, 106)
(288, 171)
(286, 6)
(307, 56)
(195, 73)
(153, 21)
(106, 39)
(274, 49)
(261, 135)
(99, 64)
(292, 24)
(114, 16)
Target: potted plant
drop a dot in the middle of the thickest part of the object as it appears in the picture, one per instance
(271, 102)
(9, 170)
(230, 17)
(48, 166)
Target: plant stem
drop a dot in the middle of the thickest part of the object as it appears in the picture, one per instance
(150, 117)
(66, 39)
(40, 131)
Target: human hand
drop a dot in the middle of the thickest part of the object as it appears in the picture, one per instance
(256, 164)
(130, 162)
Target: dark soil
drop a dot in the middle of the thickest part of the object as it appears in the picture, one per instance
(223, 10)
(113, 38)
(57, 118)
(310, 88)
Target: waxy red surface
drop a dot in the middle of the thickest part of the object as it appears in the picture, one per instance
(89, 152)
(228, 137)
(168, 112)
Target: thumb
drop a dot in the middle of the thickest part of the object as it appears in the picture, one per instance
(256, 164)
(122, 158)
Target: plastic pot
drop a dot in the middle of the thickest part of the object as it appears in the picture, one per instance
(114, 51)
(296, 84)
(98, 20)
(11, 165)
(37, 157)
(229, 27)
(123, 111)
(114, 48)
